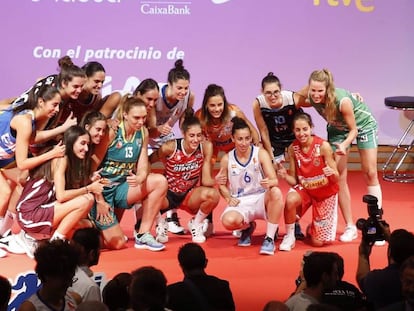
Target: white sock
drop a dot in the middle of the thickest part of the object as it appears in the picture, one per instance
(169, 213)
(376, 192)
(158, 218)
(6, 222)
(56, 235)
(271, 230)
(199, 217)
(290, 229)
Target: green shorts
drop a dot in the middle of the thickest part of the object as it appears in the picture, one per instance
(366, 138)
(116, 197)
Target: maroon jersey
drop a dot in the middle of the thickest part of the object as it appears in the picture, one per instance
(309, 169)
(183, 170)
(36, 205)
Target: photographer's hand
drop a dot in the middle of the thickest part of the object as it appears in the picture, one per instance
(385, 229)
(364, 251)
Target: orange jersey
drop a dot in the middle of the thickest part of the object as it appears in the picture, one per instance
(219, 134)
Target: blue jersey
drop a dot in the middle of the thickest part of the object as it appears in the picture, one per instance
(7, 134)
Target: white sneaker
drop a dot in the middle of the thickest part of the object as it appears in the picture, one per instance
(237, 233)
(28, 243)
(3, 253)
(208, 228)
(174, 225)
(196, 232)
(10, 244)
(349, 234)
(161, 230)
(288, 243)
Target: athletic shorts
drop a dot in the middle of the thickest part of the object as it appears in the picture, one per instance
(8, 163)
(324, 215)
(279, 158)
(366, 139)
(279, 150)
(115, 196)
(251, 207)
(178, 200)
(37, 220)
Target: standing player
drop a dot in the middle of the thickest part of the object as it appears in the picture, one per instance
(348, 119)
(273, 112)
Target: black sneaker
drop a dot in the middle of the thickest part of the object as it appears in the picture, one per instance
(298, 232)
(174, 225)
(276, 235)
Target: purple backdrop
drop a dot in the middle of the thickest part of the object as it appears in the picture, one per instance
(367, 44)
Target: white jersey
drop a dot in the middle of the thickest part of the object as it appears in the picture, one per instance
(244, 179)
(287, 100)
(165, 112)
(85, 286)
(39, 305)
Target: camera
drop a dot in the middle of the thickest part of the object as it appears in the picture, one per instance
(370, 227)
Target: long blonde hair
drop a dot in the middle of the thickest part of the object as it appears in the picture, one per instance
(326, 77)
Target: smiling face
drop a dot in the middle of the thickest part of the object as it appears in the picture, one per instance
(93, 84)
(179, 89)
(81, 146)
(96, 131)
(272, 94)
(73, 88)
(215, 106)
(50, 107)
(317, 91)
(302, 130)
(192, 138)
(242, 139)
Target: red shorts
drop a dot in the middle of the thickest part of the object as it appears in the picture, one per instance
(324, 215)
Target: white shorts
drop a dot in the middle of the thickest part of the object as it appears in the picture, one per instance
(251, 207)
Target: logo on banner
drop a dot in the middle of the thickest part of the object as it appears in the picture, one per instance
(165, 7)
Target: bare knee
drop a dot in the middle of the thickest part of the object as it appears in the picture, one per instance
(232, 220)
(89, 201)
(5, 191)
(158, 182)
(293, 200)
(212, 196)
(115, 242)
(371, 176)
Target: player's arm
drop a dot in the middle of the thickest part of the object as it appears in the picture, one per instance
(301, 97)
(290, 177)
(206, 173)
(261, 125)
(330, 170)
(162, 153)
(143, 162)
(270, 178)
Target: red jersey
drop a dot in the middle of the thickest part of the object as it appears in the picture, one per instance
(220, 134)
(309, 169)
(182, 170)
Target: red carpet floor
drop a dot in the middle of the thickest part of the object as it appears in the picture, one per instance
(254, 279)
